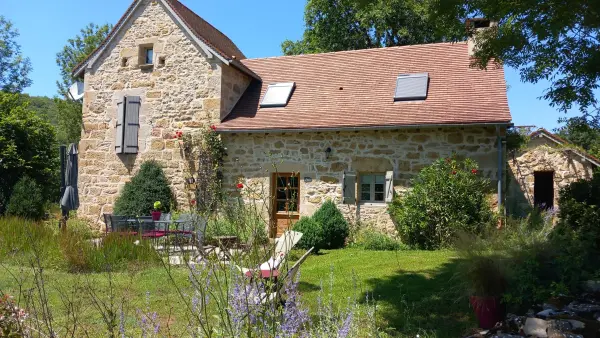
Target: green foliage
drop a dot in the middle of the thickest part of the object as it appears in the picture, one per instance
(147, 186)
(583, 132)
(27, 147)
(312, 234)
(516, 139)
(27, 200)
(556, 41)
(70, 122)
(335, 226)
(69, 116)
(22, 241)
(14, 68)
(375, 240)
(337, 25)
(76, 50)
(446, 198)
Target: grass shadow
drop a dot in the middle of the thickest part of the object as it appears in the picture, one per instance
(425, 302)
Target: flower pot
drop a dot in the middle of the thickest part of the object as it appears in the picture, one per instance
(156, 215)
(488, 310)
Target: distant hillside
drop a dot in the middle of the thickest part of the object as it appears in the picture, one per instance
(44, 106)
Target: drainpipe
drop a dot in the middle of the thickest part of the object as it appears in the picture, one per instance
(500, 169)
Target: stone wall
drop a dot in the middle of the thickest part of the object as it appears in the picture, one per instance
(542, 154)
(253, 157)
(186, 93)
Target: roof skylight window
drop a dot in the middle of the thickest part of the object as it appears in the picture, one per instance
(411, 87)
(278, 94)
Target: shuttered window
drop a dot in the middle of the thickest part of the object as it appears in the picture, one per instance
(349, 189)
(127, 126)
(374, 187)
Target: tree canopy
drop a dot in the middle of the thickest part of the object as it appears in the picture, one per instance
(69, 119)
(582, 132)
(76, 50)
(14, 68)
(27, 147)
(337, 25)
(554, 40)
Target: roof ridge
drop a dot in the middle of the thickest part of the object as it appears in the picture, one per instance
(184, 7)
(352, 51)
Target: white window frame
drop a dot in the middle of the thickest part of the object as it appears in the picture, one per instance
(371, 189)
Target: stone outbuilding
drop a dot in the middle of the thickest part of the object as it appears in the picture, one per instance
(546, 164)
(352, 126)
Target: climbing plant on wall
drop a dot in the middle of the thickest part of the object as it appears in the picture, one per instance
(203, 153)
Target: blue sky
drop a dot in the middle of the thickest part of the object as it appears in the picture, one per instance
(257, 27)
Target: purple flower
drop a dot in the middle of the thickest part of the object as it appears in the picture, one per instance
(294, 316)
(346, 325)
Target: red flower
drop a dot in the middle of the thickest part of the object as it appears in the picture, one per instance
(453, 172)
(213, 127)
(193, 202)
(240, 186)
(474, 171)
(178, 134)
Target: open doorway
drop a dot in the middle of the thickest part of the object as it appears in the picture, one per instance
(543, 189)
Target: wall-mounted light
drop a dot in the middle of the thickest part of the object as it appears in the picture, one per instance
(190, 180)
(328, 152)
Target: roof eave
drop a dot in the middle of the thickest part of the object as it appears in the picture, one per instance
(560, 141)
(362, 128)
(89, 62)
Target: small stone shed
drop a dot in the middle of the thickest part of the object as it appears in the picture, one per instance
(538, 172)
(353, 126)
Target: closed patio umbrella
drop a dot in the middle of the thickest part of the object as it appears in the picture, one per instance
(70, 198)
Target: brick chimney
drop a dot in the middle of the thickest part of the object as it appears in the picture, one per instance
(475, 26)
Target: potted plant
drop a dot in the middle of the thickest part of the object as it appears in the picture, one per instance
(484, 279)
(156, 212)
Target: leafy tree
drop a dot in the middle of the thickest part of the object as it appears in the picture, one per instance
(336, 25)
(583, 132)
(554, 40)
(44, 106)
(77, 49)
(14, 68)
(27, 147)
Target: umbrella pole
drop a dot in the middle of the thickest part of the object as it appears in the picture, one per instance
(64, 213)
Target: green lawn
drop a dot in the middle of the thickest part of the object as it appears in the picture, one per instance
(411, 288)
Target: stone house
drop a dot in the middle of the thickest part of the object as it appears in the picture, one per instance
(353, 127)
(547, 164)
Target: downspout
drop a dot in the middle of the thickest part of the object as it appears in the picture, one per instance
(500, 169)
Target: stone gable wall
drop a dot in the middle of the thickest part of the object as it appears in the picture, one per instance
(542, 154)
(187, 93)
(253, 157)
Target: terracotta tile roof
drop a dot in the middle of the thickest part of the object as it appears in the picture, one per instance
(204, 31)
(355, 89)
(561, 141)
(207, 32)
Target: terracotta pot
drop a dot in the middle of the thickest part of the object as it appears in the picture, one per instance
(156, 215)
(488, 310)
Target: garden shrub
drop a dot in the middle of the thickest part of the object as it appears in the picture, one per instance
(27, 148)
(446, 198)
(312, 234)
(335, 227)
(369, 239)
(147, 186)
(27, 200)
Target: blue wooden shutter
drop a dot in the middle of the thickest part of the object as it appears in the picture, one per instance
(119, 133)
(349, 189)
(132, 124)
(389, 186)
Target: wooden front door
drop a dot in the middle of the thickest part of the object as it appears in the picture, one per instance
(285, 192)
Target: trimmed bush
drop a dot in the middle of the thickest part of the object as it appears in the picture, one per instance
(447, 197)
(147, 186)
(377, 241)
(335, 226)
(27, 200)
(312, 234)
